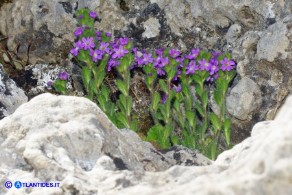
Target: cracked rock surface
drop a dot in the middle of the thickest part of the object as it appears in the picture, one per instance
(69, 140)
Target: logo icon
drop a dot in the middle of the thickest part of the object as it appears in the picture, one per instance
(17, 184)
(8, 184)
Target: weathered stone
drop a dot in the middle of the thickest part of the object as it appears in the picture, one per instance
(86, 154)
(43, 28)
(244, 98)
(11, 96)
(151, 28)
(258, 33)
(233, 33)
(74, 132)
(274, 41)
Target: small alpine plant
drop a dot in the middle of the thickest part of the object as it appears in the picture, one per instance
(180, 86)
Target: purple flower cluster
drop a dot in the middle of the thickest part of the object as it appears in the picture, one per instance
(97, 48)
(212, 66)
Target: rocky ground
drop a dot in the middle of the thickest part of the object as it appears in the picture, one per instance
(72, 142)
(35, 39)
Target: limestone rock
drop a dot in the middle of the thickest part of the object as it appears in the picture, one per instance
(11, 96)
(42, 29)
(274, 41)
(244, 98)
(86, 154)
(258, 33)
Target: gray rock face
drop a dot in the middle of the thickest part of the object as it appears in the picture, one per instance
(11, 96)
(244, 98)
(70, 141)
(258, 33)
(43, 27)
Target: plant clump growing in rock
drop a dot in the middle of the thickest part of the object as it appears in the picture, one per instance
(180, 117)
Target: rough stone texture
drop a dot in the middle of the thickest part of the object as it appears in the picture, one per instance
(258, 33)
(11, 96)
(244, 98)
(59, 134)
(85, 153)
(43, 27)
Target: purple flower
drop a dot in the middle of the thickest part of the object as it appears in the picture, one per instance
(164, 61)
(227, 64)
(163, 98)
(119, 52)
(63, 76)
(112, 63)
(216, 54)
(49, 84)
(160, 62)
(194, 54)
(191, 67)
(88, 43)
(104, 47)
(81, 16)
(213, 66)
(98, 33)
(213, 69)
(175, 78)
(78, 45)
(92, 14)
(108, 34)
(78, 31)
(174, 53)
(96, 54)
(212, 78)
(147, 58)
(181, 61)
(204, 65)
(123, 41)
(160, 71)
(159, 52)
(115, 44)
(177, 88)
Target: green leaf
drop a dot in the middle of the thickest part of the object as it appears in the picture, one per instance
(155, 101)
(197, 78)
(191, 117)
(92, 87)
(213, 150)
(83, 55)
(123, 119)
(218, 97)
(105, 92)
(215, 121)
(60, 86)
(163, 85)
(185, 89)
(188, 140)
(176, 105)
(125, 63)
(122, 87)
(226, 126)
(102, 103)
(134, 125)
(199, 109)
(155, 134)
(204, 98)
(122, 103)
(175, 140)
(199, 90)
(86, 76)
